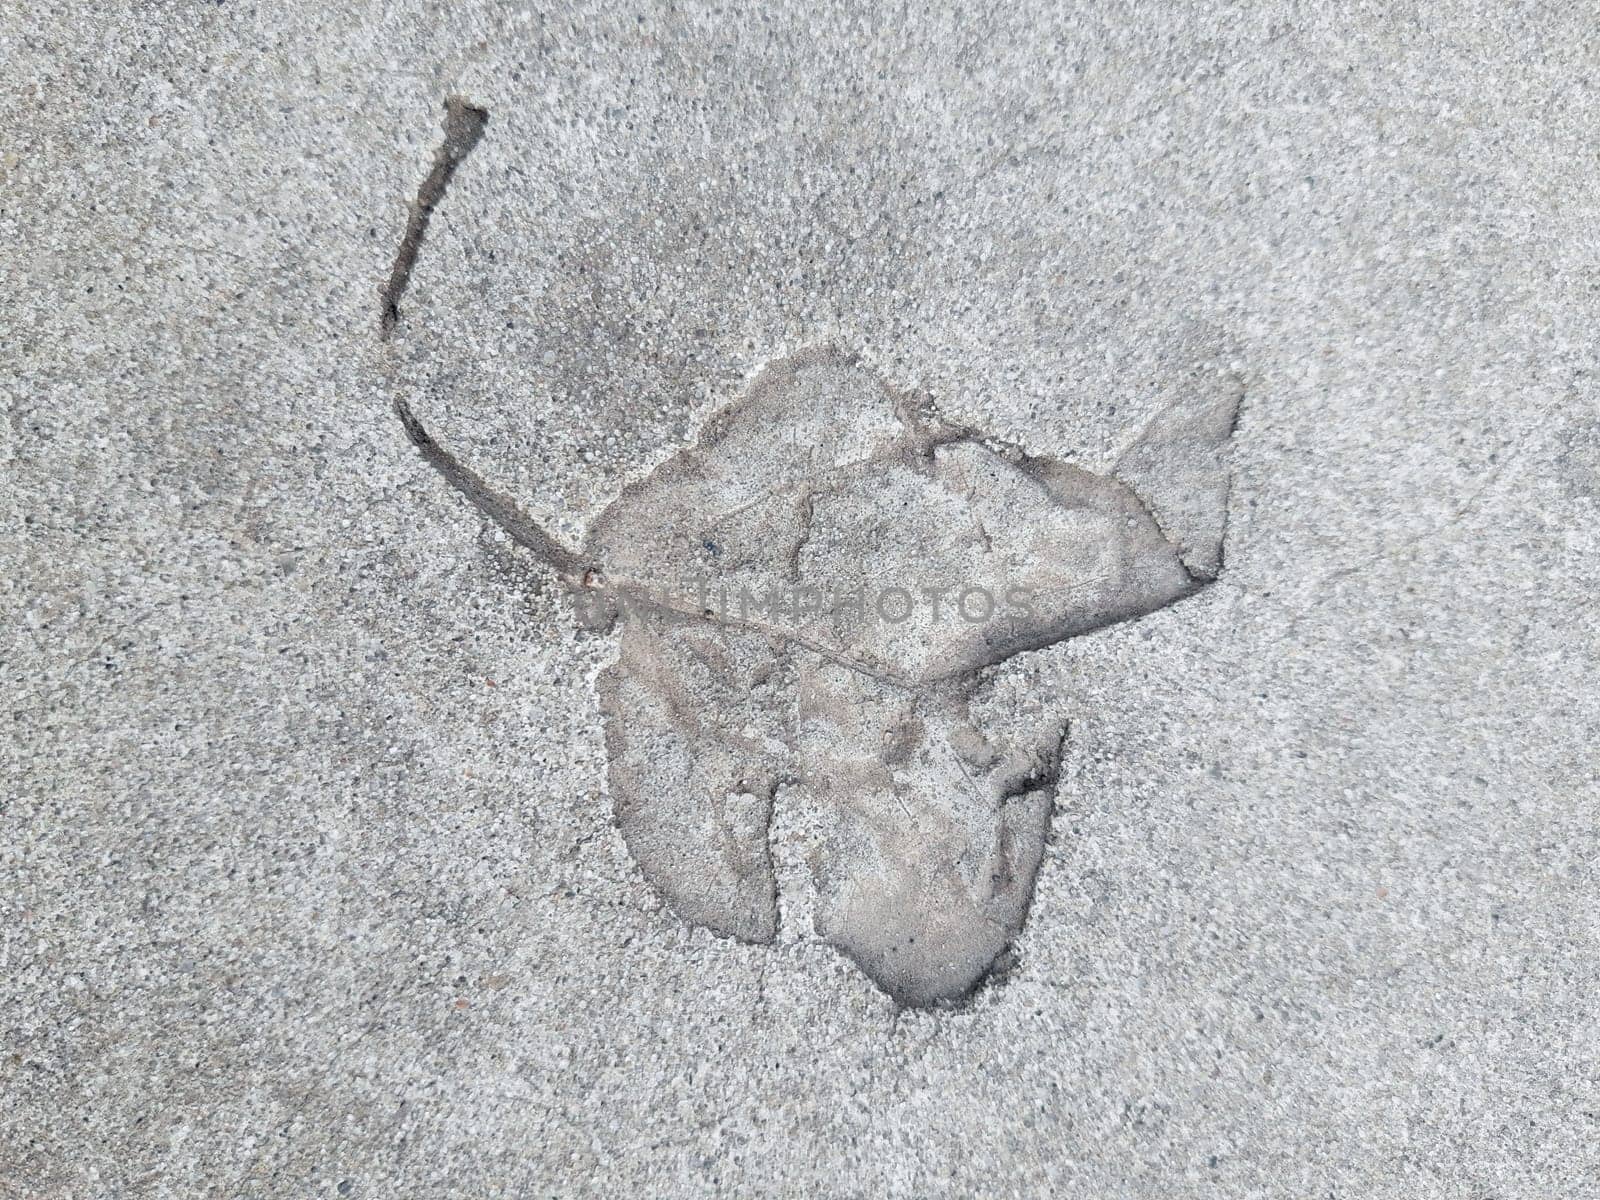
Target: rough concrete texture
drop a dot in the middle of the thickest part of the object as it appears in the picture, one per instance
(309, 874)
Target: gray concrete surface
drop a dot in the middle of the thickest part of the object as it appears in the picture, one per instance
(308, 879)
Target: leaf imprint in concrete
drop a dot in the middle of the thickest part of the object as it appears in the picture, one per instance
(810, 602)
(810, 598)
